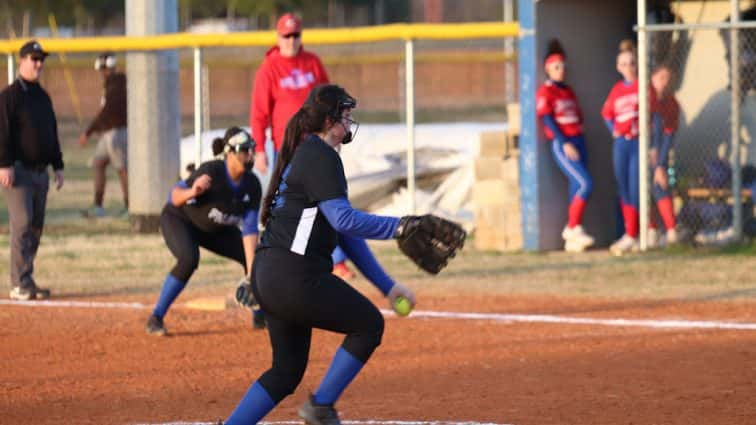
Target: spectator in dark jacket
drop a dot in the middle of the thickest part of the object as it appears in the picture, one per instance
(28, 146)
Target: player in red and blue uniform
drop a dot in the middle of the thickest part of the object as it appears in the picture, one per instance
(557, 106)
(665, 112)
(620, 112)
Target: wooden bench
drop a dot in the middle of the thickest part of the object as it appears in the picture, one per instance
(707, 193)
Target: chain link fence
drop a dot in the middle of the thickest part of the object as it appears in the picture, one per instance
(696, 99)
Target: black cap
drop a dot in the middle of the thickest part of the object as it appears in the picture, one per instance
(32, 47)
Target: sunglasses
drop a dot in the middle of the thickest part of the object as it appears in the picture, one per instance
(292, 35)
(40, 59)
(243, 149)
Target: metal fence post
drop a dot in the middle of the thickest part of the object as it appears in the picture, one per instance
(737, 216)
(197, 106)
(409, 78)
(643, 109)
(11, 68)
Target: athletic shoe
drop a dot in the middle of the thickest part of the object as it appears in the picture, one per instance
(93, 212)
(155, 326)
(624, 245)
(22, 294)
(671, 237)
(572, 246)
(41, 293)
(29, 293)
(654, 240)
(341, 270)
(578, 236)
(258, 318)
(318, 414)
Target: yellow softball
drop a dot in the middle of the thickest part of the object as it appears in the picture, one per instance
(402, 306)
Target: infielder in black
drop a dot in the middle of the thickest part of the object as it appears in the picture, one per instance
(215, 208)
(306, 213)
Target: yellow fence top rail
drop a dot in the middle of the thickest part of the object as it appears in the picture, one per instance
(268, 38)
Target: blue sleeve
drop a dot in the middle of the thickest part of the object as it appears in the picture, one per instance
(656, 130)
(363, 258)
(609, 124)
(347, 220)
(182, 184)
(249, 225)
(666, 145)
(552, 125)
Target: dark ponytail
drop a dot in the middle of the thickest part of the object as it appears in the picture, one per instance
(324, 102)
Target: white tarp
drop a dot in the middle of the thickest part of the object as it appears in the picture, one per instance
(375, 164)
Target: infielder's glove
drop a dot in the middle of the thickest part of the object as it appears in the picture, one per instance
(429, 241)
(244, 295)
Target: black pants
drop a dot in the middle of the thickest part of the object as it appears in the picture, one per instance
(184, 239)
(298, 295)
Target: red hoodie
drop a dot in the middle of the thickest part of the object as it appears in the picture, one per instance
(281, 87)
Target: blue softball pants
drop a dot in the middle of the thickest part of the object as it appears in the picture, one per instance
(625, 158)
(580, 181)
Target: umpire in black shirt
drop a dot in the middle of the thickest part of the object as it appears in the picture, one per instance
(28, 146)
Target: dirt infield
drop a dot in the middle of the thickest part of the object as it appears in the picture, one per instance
(66, 365)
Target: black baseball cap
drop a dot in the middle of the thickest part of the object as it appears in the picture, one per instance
(32, 48)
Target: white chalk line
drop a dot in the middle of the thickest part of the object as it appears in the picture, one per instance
(365, 422)
(495, 317)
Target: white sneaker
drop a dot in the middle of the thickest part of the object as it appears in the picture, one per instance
(578, 236)
(653, 240)
(573, 246)
(671, 237)
(624, 245)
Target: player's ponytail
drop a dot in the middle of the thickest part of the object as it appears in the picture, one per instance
(218, 145)
(309, 119)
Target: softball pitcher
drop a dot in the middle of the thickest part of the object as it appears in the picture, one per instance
(306, 212)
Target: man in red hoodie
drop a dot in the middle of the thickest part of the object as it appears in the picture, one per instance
(282, 83)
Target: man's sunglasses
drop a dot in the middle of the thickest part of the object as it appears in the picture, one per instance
(40, 59)
(292, 35)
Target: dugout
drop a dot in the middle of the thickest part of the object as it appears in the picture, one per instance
(590, 31)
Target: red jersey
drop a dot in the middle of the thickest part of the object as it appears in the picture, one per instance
(559, 100)
(281, 87)
(621, 106)
(669, 112)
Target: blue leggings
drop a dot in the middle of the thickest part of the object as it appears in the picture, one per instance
(580, 181)
(625, 156)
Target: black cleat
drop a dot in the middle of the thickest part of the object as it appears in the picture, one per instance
(155, 326)
(29, 293)
(258, 319)
(318, 414)
(41, 293)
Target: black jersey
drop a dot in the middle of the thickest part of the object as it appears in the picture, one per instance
(314, 174)
(224, 203)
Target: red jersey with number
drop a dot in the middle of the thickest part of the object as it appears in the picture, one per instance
(621, 107)
(559, 101)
